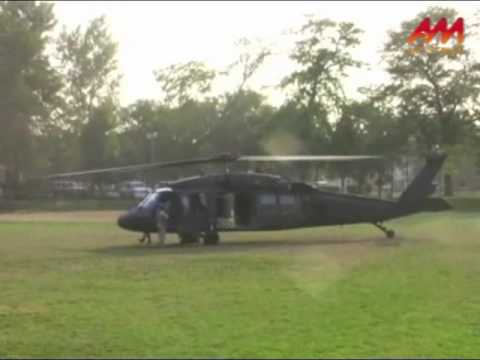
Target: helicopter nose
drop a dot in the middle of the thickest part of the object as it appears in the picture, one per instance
(134, 220)
(124, 222)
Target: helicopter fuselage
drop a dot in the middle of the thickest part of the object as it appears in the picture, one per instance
(252, 202)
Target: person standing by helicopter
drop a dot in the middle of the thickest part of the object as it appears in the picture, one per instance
(161, 218)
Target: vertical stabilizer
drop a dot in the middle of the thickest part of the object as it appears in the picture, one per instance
(422, 186)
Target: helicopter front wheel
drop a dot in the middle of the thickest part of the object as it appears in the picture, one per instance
(188, 239)
(211, 239)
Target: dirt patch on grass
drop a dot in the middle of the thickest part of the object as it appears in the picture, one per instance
(326, 261)
(67, 216)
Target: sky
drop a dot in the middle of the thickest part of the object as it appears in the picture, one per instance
(154, 34)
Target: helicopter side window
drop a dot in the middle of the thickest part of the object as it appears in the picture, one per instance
(287, 200)
(268, 199)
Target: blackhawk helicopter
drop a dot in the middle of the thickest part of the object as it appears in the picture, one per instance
(202, 206)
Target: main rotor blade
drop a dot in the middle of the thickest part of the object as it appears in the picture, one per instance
(120, 169)
(222, 158)
(308, 158)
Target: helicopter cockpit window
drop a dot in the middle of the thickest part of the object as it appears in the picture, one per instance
(150, 201)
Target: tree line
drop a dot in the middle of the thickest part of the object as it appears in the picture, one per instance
(59, 107)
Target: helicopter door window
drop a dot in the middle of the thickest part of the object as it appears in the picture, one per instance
(198, 204)
(185, 203)
(243, 208)
(287, 200)
(268, 199)
(203, 199)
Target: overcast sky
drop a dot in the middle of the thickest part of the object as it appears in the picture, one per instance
(156, 34)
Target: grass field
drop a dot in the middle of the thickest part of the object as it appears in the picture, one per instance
(73, 284)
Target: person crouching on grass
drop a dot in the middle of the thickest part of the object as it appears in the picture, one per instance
(146, 236)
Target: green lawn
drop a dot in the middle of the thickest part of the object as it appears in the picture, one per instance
(81, 288)
(39, 205)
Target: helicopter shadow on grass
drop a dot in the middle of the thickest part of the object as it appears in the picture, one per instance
(235, 246)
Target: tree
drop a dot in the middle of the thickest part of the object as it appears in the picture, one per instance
(28, 82)
(252, 56)
(384, 134)
(201, 123)
(242, 112)
(138, 122)
(97, 139)
(435, 91)
(348, 138)
(323, 55)
(185, 81)
(152, 131)
(240, 124)
(463, 162)
(94, 137)
(90, 70)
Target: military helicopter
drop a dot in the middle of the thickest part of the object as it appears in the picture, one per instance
(202, 206)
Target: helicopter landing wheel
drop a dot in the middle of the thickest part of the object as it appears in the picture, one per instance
(388, 232)
(211, 239)
(188, 239)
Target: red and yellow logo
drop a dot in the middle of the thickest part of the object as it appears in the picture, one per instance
(421, 38)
